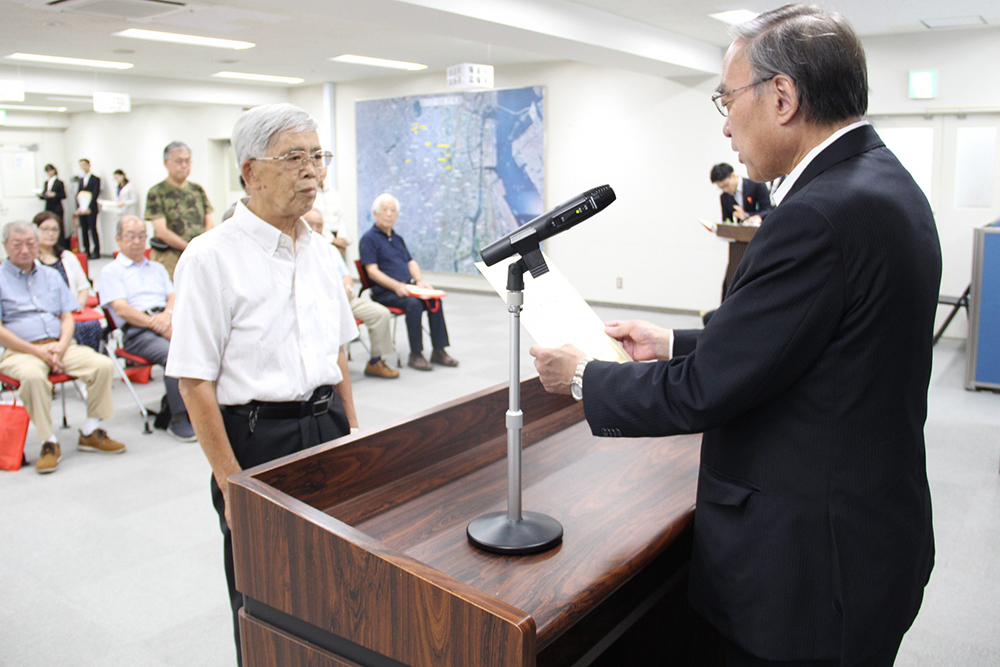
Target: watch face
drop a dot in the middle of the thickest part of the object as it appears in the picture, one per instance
(576, 389)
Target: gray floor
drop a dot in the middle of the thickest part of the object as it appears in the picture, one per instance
(118, 560)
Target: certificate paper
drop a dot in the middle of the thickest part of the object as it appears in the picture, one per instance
(554, 313)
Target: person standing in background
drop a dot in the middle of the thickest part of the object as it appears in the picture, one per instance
(178, 209)
(53, 195)
(88, 191)
(126, 195)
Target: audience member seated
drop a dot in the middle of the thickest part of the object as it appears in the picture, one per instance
(375, 316)
(141, 298)
(36, 328)
(391, 268)
(53, 255)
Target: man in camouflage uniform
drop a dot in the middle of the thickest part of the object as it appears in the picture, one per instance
(178, 209)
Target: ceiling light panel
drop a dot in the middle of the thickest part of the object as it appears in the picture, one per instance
(22, 107)
(378, 62)
(177, 38)
(268, 78)
(61, 60)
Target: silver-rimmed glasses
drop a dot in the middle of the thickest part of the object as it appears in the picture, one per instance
(723, 109)
(299, 159)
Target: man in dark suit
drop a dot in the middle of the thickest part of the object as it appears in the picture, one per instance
(86, 212)
(813, 539)
(753, 197)
(754, 204)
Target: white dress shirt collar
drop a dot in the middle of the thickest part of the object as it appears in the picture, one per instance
(786, 185)
(264, 233)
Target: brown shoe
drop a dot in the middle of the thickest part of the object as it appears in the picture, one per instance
(380, 370)
(417, 361)
(48, 460)
(443, 358)
(99, 442)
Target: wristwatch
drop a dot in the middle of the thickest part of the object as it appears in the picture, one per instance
(576, 385)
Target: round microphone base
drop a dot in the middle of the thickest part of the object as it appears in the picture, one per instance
(499, 534)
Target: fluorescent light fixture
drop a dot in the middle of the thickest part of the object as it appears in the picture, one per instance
(177, 38)
(923, 84)
(60, 60)
(954, 22)
(378, 62)
(735, 17)
(3, 117)
(11, 91)
(258, 77)
(19, 107)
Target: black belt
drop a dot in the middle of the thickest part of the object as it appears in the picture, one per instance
(318, 404)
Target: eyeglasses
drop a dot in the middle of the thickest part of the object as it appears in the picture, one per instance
(180, 160)
(298, 159)
(723, 109)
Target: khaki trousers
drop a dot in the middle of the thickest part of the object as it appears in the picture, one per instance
(168, 258)
(93, 369)
(377, 318)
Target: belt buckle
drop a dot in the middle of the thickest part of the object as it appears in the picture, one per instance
(321, 405)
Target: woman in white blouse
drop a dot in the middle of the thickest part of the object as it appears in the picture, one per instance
(52, 255)
(126, 196)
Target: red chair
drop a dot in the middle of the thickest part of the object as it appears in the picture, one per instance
(366, 283)
(113, 348)
(12, 384)
(82, 257)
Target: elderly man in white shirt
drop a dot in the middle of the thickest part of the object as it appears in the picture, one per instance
(261, 319)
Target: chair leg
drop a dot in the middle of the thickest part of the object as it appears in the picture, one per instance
(62, 395)
(399, 359)
(128, 383)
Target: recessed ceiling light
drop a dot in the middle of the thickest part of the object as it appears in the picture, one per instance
(60, 60)
(177, 38)
(735, 17)
(18, 107)
(258, 77)
(954, 22)
(378, 62)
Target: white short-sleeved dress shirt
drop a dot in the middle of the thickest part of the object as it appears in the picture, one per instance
(260, 315)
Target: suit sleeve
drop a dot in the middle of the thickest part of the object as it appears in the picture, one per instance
(783, 310)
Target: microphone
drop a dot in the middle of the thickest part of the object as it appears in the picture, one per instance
(526, 238)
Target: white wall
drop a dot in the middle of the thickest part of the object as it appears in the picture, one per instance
(653, 140)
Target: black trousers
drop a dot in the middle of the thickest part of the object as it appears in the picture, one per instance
(737, 657)
(88, 229)
(270, 439)
(415, 308)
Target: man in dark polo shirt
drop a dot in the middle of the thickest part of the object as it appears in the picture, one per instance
(390, 266)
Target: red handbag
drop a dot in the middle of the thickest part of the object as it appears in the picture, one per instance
(14, 422)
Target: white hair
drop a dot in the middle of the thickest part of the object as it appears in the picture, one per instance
(381, 199)
(18, 227)
(128, 218)
(257, 128)
(173, 147)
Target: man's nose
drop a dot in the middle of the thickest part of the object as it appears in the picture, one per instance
(725, 129)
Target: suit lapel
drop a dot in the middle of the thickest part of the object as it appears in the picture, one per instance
(853, 143)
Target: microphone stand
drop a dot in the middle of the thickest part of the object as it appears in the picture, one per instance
(516, 532)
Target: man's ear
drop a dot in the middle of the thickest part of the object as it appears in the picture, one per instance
(786, 99)
(246, 170)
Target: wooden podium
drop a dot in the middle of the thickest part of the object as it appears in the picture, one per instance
(355, 552)
(741, 233)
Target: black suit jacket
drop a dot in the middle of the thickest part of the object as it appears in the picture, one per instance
(55, 204)
(813, 534)
(756, 200)
(94, 187)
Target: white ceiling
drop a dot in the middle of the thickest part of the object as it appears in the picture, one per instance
(662, 37)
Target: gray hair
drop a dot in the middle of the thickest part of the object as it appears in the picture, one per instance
(18, 227)
(257, 128)
(127, 218)
(818, 50)
(382, 198)
(174, 146)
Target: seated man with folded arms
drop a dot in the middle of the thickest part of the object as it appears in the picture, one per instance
(375, 316)
(391, 268)
(141, 298)
(36, 328)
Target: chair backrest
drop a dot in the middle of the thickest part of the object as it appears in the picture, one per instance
(366, 282)
(82, 256)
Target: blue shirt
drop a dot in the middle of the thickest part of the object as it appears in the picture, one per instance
(389, 253)
(143, 285)
(32, 303)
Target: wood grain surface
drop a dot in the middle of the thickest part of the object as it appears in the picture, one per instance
(365, 537)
